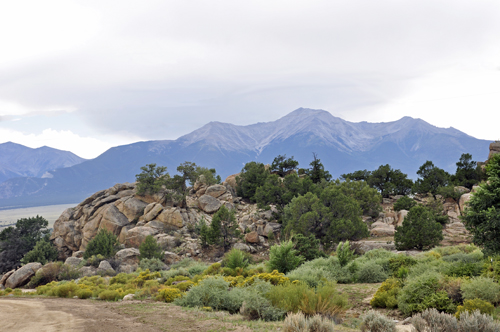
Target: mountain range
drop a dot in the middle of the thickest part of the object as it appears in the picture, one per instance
(17, 160)
(341, 145)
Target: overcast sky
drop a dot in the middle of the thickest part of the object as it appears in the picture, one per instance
(88, 75)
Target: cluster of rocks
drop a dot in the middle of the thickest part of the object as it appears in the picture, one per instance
(454, 231)
(132, 217)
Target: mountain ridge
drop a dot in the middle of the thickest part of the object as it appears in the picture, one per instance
(341, 145)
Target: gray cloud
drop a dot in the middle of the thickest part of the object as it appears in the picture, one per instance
(161, 70)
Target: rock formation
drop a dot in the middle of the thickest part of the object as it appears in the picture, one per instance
(132, 217)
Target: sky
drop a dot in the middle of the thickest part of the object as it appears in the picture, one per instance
(87, 75)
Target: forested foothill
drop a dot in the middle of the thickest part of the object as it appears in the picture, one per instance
(302, 266)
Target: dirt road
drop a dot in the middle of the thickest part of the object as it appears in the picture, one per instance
(51, 315)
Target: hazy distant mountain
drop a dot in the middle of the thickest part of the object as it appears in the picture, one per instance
(341, 145)
(17, 160)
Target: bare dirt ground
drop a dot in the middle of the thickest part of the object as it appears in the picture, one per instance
(52, 314)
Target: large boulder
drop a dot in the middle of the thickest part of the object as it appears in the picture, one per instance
(215, 190)
(463, 201)
(171, 217)
(73, 261)
(152, 211)
(209, 204)
(400, 217)
(131, 207)
(494, 149)
(136, 235)
(252, 237)
(23, 275)
(382, 229)
(128, 256)
(231, 180)
(166, 241)
(113, 220)
(5, 277)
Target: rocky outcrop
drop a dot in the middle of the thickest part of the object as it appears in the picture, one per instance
(133, 217)
(494, 149)
(22, 276)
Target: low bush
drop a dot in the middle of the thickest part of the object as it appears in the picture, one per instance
(386, 295)
(308, 247)
(152, 264)
(344, 253)
(298, 322)
(168, 294)
(422, 292)
(84, 293)
(149, 249)
(371, 273)
(404, 203)
(236, 259)
(43, 252)
(462, 269)
(376, 322)
(197, 268)
(473, 305)
(324, 300)
(481, 288)
(210, 292)
(432, 320)
(396, 263)
(284, 258)
(104, 243)
(312, 276)
(109, 295)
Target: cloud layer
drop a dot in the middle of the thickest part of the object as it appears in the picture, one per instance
(126, 70)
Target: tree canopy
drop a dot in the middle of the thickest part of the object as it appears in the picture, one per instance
(431, 178)
(15, 242)
(482, 214)
(283, 166)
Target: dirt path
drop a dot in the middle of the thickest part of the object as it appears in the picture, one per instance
(51, 315)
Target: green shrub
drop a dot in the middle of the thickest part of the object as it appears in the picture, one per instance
(68, 272)
(312, 276)
(104, 243)
(371, 273)
(184, 263)
(235, 259)
(168, 294)
(404, 203)
(150, 249)
(481, 288)
(109, 295)
(344, 253)
(473, 305)
(67, 289)
(385, 297)
(308, 247)
(197, 269)
(419, 230)
(284, 258)
(210, 292)
(462, 269)
(152, 264)
(376, 322)
(422, 292)
(43, 252)
(400, 261)
(84, 293)
(325, 299)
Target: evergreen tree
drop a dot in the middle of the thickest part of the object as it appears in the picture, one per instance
(467, 173)
(482, 214)
(43, 252)
(431, 178)
(223, 228)
(317, 172)
(282, 166)
(15, 242)
(419, 230)
(104, 243)
(253, 175)
(151, 179)
(149, 248)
